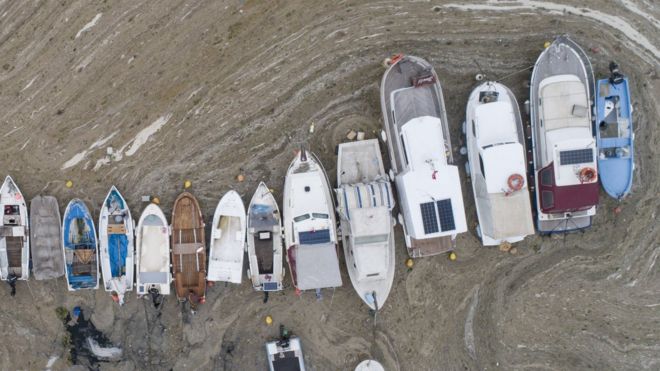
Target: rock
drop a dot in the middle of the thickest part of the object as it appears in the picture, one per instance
(351, 135)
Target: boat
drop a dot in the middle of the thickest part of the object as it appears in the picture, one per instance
(227, 246)
(422, 165)
(14, 234)
(264, 241)
(188, 249)
(614, 135)
(80, 247)
(285, 354)
(563, 143)
(46, 238)
(364, 204)
(497, 165)
(116, 245)
(369, 365)
(310, 231)
(152, 253)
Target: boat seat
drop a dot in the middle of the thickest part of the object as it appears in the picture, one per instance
(186, 248)
(116, 229)
(579, 110)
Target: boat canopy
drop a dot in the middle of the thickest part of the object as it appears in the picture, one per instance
(495, 124)
(317, 265)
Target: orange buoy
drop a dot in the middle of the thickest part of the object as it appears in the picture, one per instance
(202, 300)
(587, 175)
(210, 283)
(515, 182)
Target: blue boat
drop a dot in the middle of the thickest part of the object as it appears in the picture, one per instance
(614, 134)
(80, 247)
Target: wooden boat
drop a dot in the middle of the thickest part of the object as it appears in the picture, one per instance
(417, 135)
(116, 244)
(614, 135)
(310, 228)
(285, 354)
(264, 241)
(564, 147)
(497, 165)
(80, 247)
(152, 253)
(14, 233)
(365, 202)
(227, 246)
(188, 248)
(46, 238)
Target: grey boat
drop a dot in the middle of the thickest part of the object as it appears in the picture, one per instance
(45, 232)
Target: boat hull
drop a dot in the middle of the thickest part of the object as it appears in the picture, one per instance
(15, 233)
(188, 248)
(152, 253)
(227, 240)
(46, 238)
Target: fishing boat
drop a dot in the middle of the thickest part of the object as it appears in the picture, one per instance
(285, 354)
(264, 241)
(497, 165)
(365, 202)
(46, 238)
(227, 240)
(310, 230)
(80, 247)
(614, 135)
(564, 147)
(14, 234)
(422, 164)
(188, 249)
(116, 245)
(152, 253)
(369, 365)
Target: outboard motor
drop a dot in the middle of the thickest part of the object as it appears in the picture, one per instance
(616, 77)
(11, 280)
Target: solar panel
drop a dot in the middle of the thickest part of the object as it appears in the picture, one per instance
(429, 218)
(577, 156)
(270, 286)
(446, 215)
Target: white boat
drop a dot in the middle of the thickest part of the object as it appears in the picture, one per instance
(364, 204)
(497, 165)
(152, 253)
(369, 365)
(14, 233)
(116, 240)
(417, 135)
(227, 240)
(46, 238)
(310, 231)
(564, 147)
(264, 241)
(285, 354)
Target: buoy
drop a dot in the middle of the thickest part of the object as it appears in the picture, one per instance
(547, 44)
(210, 283)
(69, 184)
(617, 210)
(410, 263)
(187, 184)
(479, 77)
(452, 256)
(202, 300)
(269, 320)
(240, 178)
(156, 200)
(271, 190)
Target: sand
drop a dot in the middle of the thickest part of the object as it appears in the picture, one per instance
(207, 90)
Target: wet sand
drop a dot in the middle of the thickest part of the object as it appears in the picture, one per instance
(205, 91)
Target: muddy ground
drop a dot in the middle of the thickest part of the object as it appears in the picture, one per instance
(207, 90)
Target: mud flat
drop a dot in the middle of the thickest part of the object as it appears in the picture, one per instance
(205, 90)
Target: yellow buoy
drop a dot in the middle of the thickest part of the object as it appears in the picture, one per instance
(155, 200)
(410, 263)
(547, 44)
(452, 256)
(187, 184)
(240, 177)
(69, 184)
(271, 190)
(269, 320)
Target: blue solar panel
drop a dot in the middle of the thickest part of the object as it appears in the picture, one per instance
(577, 156)
(270, 286)
(446, 215)
(315, 237)
(429, 218)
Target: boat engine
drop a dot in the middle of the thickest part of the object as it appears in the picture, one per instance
(616, 77)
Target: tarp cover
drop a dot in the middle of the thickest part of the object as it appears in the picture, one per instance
(47, 259)
(503, 216)
(317, 266)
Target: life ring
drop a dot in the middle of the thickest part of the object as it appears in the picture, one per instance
(587, 175)
(515, 182)
(392, 60)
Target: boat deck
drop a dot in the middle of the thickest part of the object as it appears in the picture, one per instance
(430, 246)
(359, 162)
(263, 248)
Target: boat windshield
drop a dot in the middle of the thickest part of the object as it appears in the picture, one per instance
(320, 216)
(366, 240)
(300, 218)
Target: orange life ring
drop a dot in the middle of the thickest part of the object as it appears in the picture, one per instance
(395, 58)
(515, 182)
(587, 175)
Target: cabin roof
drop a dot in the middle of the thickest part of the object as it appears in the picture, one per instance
(500, 162)
(424, 142)
(495, 123)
